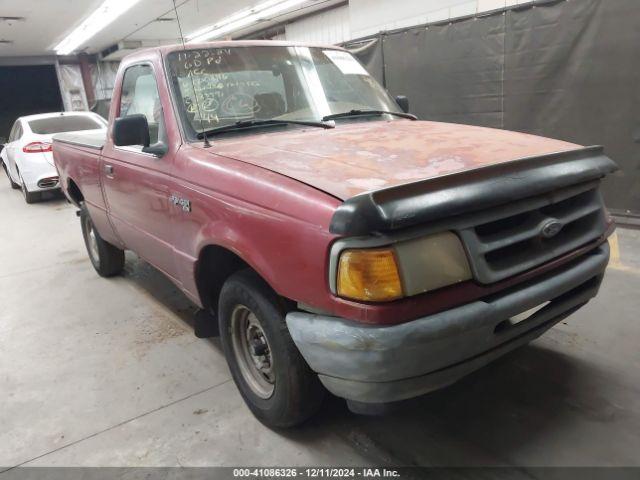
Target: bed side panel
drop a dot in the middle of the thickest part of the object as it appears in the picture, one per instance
(82, 166)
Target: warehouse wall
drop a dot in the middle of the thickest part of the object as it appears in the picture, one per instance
(330, 27)
(26, 90)
(103, 78)
(563, 70)
(360, 18)
(372, 16)
(72, 89)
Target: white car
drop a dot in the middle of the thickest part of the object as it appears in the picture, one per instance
(27, 156)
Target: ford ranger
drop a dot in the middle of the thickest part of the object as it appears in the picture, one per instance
(339, 243)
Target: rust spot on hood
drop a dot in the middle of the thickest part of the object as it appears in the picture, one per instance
(358, 157)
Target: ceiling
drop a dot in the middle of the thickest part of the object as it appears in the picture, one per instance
(45, 23)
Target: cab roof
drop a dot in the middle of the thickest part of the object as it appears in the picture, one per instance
(166, 49)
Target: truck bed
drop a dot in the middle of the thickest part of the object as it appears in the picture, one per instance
(91, 139)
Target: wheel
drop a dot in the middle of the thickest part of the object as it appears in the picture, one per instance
(107, 259)
(29, 197)
(13, 184)
(276, 383)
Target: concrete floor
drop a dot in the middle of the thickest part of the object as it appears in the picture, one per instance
(99, 372)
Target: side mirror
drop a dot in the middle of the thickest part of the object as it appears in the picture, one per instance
(403, 103)
(131, 130)
(158, 149)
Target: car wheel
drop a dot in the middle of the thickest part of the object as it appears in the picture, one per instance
(107, 259)
(275, 381)
(29, 197)
(13, 184)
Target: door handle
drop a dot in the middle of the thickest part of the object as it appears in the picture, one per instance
(108, 170)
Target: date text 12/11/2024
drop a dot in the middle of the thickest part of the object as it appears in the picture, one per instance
(319, 472)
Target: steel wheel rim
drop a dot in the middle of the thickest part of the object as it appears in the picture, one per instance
(252, 352)
(92, 241)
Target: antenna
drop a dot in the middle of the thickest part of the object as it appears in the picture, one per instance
(193, 85)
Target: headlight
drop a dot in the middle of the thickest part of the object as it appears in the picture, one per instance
(432, 262)
(370, 275)
(404, 269)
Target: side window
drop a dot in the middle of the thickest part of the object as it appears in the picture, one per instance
(18, 132)
(140, 96)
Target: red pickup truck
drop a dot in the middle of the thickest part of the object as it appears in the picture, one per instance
(339, 243)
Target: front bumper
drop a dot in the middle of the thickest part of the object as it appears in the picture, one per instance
(384, 364)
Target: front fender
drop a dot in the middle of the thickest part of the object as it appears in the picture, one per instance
(276, 225)
(289, 254)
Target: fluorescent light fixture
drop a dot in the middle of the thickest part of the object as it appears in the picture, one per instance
(243, 18)
(99, 19)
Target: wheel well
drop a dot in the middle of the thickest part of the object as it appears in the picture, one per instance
(214, 266)
(74, 192)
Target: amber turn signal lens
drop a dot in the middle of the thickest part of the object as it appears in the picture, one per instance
(369, 275)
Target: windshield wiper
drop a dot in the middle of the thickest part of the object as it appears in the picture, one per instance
(357, 113)
(257, 123)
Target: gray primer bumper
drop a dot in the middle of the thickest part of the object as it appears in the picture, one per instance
(374, 364)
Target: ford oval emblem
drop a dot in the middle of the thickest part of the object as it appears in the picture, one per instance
(551, 228)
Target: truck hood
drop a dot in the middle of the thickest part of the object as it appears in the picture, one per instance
(360, 157)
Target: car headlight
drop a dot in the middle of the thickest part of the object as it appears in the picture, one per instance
(370, 275)
(404, 269)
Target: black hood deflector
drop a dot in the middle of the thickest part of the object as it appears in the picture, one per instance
(458, 193)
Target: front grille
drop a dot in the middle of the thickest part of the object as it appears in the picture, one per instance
(518, 237)
(48, 182)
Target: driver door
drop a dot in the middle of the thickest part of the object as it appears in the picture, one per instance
(137, 184)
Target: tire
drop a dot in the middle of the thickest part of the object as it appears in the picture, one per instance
(289, 392)
(13, 184)
(29, 197)
(107, 259)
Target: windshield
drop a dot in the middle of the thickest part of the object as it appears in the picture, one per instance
(285, 83)
(63, 123)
